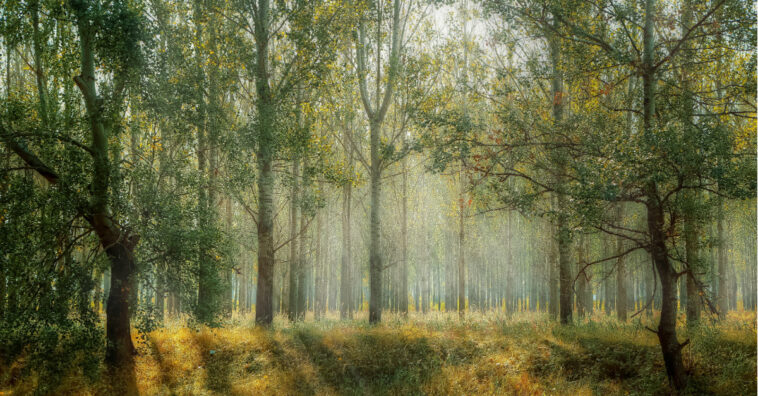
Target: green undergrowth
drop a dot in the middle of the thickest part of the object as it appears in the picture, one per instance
(438, 354)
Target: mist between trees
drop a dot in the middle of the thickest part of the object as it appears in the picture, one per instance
(217, 161)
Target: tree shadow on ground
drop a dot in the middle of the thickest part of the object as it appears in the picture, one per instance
(283, 359)
(371, 363)
(594, 359)
(218, 362)
(166, 378)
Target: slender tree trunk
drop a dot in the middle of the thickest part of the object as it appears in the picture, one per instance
(691, 223)
(302, 270)
(208, 297)
(320, 265)
(264, 314)
(564, 235)
(39, 67)
(294, 258)
(721, 299)
(553, 271)
(693, 260)
(403, 287)
(581, 280)
(376, 117)
(424, 300)
(462, 248)
(620, 269)
(375, 260)
(346, 284)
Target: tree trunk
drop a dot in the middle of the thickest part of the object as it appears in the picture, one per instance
(553, 266)
(691, 226)
(120, 351)
(403, 286)
(346, 286)
(302, 270)
(375, 261)
(721, 299)
(691, 236)
(461, 248)
(563, 232)
(294, 258)
(581, 280)
(320, 269)
(264, 314)
(564, 268)
(670, 346)
(620, 269)
(116, 242)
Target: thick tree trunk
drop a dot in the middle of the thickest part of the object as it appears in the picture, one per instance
(116, 242)
(670, 346)
(120, 351)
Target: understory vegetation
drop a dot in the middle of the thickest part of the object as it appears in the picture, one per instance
(525, 354)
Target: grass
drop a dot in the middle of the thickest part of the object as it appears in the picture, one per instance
(436, 354)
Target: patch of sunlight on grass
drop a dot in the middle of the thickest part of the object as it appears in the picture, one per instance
(436, 354)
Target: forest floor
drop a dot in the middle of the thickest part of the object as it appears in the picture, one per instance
(436, 354)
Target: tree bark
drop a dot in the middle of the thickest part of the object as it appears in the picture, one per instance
(294, 258)
(721, 298)
(620, 269)
(670, 346)
(264, 314)
(375, 261)
(691, 224)
(346, 287)
(461, 248)
(581, 280)
(563, 233)
(692, 253)
(376, 114)
(302, 270)
(403, 287)
(114, 239)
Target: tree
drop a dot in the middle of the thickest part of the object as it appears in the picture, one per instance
(95, 26)
(375, 112)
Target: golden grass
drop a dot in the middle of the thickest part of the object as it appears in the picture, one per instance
(488, 354)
